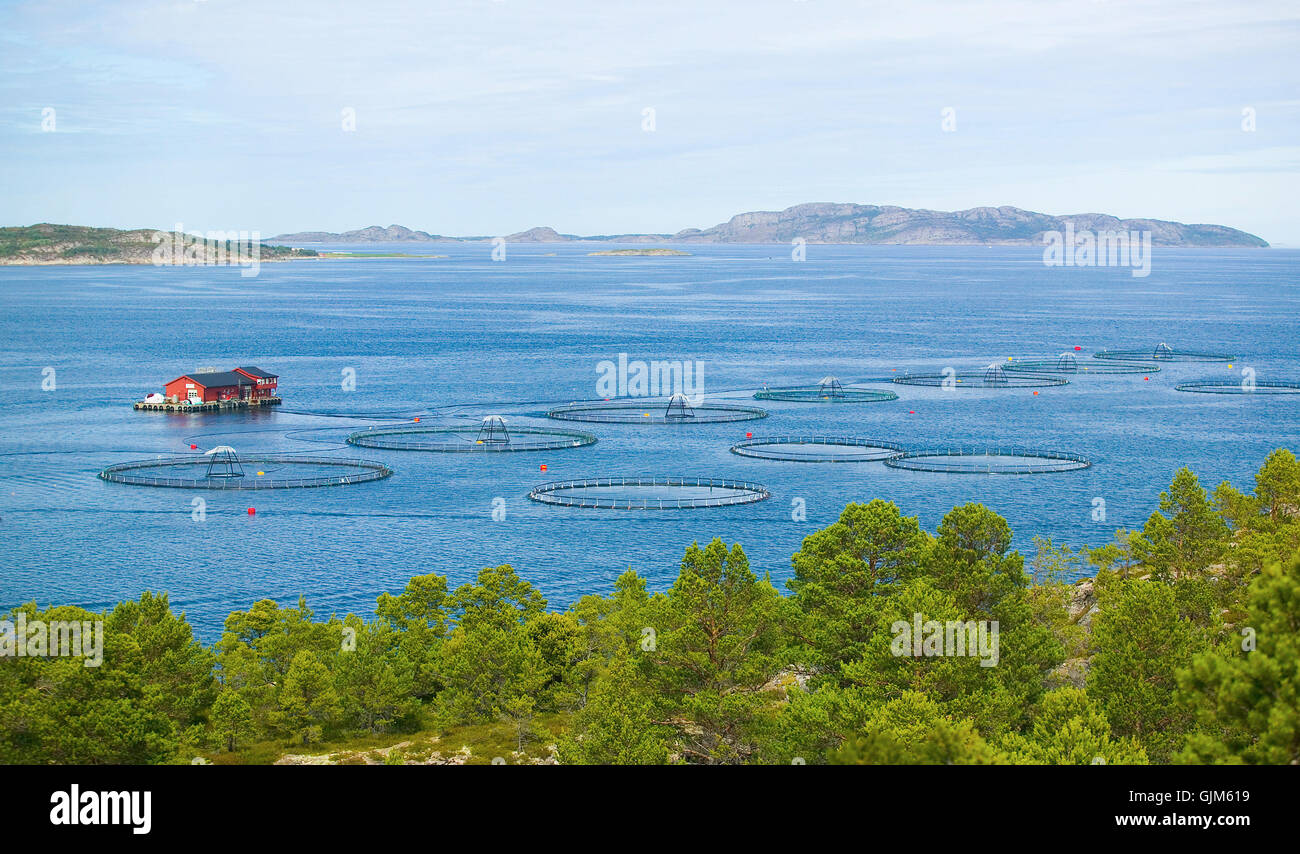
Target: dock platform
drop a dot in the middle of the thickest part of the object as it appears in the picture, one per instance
(209, 406)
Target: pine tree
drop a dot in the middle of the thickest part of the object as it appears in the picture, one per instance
(308, 702)
(1140, 642)
(842, 572)
(1069, 728)
(617, 725)
(1186, 536)
(232, 719)
(716, 637)
(1249, 702)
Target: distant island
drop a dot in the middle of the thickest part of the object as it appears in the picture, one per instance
(328, 255)
(827, 222)
(639, 252)
(46, 243)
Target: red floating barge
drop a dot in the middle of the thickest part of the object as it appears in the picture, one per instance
(215, 391)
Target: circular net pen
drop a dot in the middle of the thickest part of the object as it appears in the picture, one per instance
(1066, 363)
(828, 390)
(977, 459)
(649, 493)
(992, 376)
(1243, 387)
(1162, 352)
(232, 472)
(491, 436)
(818, 449)
(676, 410)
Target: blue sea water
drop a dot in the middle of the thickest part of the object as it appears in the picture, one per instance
(454, 339)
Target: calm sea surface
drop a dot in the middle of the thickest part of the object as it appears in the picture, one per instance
(455, 339)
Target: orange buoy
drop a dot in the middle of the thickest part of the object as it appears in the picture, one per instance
(1035, 393)
(543, 466)
(417, 418)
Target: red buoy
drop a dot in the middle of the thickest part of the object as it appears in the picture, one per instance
(911, 412)
(252, 511)
(749, 435)
(417, 418)
(1078, 348)
(543, 466)
(192, 447)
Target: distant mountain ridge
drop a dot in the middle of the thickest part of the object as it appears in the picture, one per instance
(830, 222)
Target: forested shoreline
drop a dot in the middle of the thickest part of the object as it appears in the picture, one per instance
(1184, 647)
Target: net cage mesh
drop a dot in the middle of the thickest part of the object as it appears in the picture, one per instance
(828, 389)
(649, 493)
(492, 435)
(1242, 387)
(1162, 352)
(816, 449)
(989, 459)
(226, 470)
(1067, 363)
(991, 377)
(678, 409)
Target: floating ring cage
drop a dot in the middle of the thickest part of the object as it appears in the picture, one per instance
(676, 410)
(977, 459)
(1162, 352)
(491, 436)
(1066, 363)
(828, 390)
(225, 470)
(993, 376)
(1243, 387)
(649, 493)
(818, 449)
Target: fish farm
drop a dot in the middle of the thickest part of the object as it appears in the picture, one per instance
(1242, 387)
(993, 376)
(676, 410)
(1066, 363)
(493, 435)
(222, 468)
(828, 390)
(649, 493)
(818, 449)
(1162, 352)
(988, 460)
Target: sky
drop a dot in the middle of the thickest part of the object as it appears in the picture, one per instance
(486, 117)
